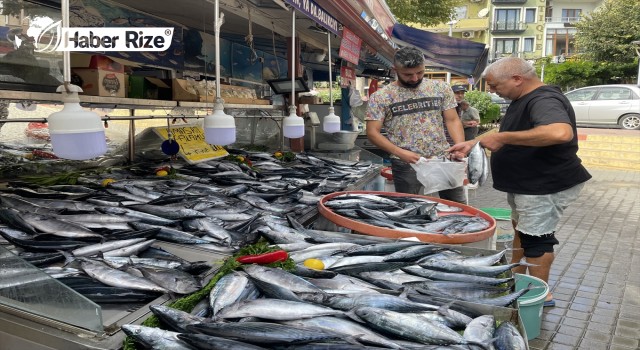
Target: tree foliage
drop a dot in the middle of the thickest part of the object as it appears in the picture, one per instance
(606, 34)
(576, 73)
(489, 111)
(424, 12)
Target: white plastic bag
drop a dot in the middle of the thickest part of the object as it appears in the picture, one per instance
(354, 97)
(438, 174)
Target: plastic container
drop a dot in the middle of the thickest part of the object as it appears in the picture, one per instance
(367, 229)
(504, 229)
(530, 305)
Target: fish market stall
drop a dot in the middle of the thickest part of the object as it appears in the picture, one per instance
(46, 314)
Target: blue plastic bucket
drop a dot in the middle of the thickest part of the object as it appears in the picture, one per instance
(531, 303)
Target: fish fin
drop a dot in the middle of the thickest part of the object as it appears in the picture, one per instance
(352, 315)
(68, 257)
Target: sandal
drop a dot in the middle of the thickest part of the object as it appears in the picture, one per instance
(549, 303)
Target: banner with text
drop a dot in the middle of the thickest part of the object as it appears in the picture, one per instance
(316, 13)
(350, 46)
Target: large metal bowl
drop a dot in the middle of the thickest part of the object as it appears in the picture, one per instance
(345, 137)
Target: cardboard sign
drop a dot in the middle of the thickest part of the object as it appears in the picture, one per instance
(348, 76)
(193, 147)
(350, 46)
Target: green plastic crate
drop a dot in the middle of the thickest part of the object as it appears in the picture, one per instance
(498, 213)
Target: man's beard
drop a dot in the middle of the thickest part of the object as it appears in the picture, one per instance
(409, 85)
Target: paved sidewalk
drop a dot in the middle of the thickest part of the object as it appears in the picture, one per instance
(595, 278)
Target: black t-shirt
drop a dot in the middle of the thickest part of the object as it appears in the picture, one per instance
(538, 170)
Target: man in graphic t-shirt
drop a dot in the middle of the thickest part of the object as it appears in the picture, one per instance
(411, 110)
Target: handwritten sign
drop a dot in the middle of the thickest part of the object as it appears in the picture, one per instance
(193, 147)
(350, 46)
(348, 76)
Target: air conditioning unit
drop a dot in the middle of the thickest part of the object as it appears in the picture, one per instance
(468, 34)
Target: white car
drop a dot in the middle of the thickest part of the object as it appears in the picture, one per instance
(606, 105)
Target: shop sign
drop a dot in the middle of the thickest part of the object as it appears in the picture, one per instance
(348, 76)
(97, 39)
(350, 46)
(316, 13)
(193, 147)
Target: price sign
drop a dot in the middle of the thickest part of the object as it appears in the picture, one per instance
(193, 147)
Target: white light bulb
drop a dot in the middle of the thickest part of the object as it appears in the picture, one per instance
(219, 127)
(76, 134)
(293, 126)
(331, 122)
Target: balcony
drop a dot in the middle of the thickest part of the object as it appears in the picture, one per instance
(507, 27)
(508, 2)
(567, 21)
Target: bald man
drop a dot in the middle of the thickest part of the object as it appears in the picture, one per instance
(533, 159)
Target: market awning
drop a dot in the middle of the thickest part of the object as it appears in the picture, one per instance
(460, 56)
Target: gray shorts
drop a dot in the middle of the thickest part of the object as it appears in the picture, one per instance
(538, 215)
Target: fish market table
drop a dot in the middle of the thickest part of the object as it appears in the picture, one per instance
(480, 238)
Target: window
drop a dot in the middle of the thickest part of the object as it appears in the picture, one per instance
(528, 45)
(461, 12)
(582, 94)
(506, 46)
(614, 94)
(530, 16)
(507, 19)
(560, 42)
(571, 15)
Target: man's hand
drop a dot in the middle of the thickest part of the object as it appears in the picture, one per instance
(408, 156)
(460, 150)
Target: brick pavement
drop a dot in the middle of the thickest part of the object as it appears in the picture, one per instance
(595, 278)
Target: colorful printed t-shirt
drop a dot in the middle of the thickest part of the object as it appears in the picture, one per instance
(412, 118)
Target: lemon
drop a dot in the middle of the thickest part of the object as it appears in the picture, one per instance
(278, 154)
(240, 158)
(314, 264)
(106, 182)
(162, 173)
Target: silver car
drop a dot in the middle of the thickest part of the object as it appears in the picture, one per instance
(607, 105)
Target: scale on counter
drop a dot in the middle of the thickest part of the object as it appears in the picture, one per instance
(331, 146)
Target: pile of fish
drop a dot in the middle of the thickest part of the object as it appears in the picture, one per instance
(376, 294)
(105, 235)
(405, 213)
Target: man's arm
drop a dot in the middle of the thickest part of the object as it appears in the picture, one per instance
(540, 136)
(454, 125)
(374, 135)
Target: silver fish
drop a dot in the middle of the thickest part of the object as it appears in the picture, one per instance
(509, 338)
(104, 247)
(347, 328)
(155, 338)
(275, 309)
(480, 330)
(228, 290)
(57, 227)
(117, 278)
(173, 280)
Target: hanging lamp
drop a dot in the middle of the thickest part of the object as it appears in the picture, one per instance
(219, 127)
(75, 134)
(293, 126)
(331, 122)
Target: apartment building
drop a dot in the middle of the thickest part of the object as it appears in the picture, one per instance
(530, 29)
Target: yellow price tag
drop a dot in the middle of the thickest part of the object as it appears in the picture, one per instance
(193, 147)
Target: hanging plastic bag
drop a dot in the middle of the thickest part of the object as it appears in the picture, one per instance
(354, 97)
(438, 174)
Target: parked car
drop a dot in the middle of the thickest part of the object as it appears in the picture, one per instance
(607, 105)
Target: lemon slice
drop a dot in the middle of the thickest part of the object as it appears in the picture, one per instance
(314, 264)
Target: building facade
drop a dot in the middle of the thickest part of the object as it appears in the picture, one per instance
(531, 29)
